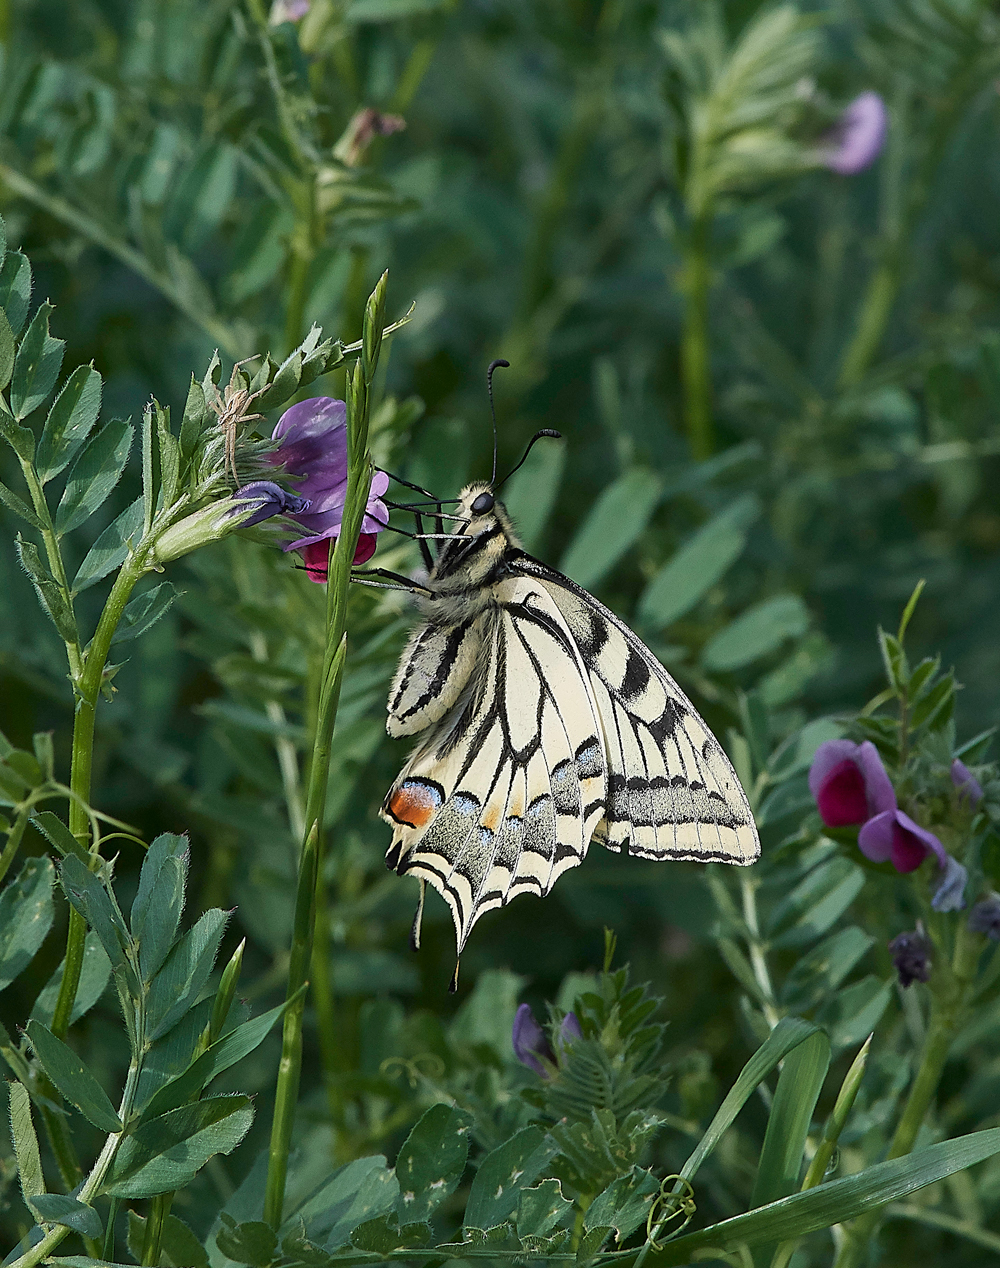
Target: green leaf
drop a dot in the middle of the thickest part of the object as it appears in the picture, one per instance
(186, 970)
(388, 10)
(22, 1133)
(799, 1086)
(19, 507)
(817, 974)
(7, 350)
(252, 1242)
(20, 439)
(431, 1162)
(94, 474)
(179, 1248)
(756, 632)
(503, 1174)
(69, 422)
(57, 833)
(541, 1208)
(159, 900)
(699, 564)
(168, 1152)
(72, 1078)
(50, 593)
(144, 611)
(384, 1234)
(93, 979)
(624, 1205)
(15, 289)
(92, 901)
(26, 913)
(816, 902)
(358, 1192)
(57, 1208)
(196, 418)
(112, 547)
(834, 1202)
(36, 366)
(612, 525)
(530, 494)
(853, 1013)
(202, 195)
(786, 1036)
(219, 1056)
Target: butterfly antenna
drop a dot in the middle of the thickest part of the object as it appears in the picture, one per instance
(546, 431)
(494, 365)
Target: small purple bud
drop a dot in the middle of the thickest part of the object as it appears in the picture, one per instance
(530, 1043)
(857, 139)
(268, 499)
(985, 917)
(569, 1033)
(911, 956)
(970, 791)
(950, 894)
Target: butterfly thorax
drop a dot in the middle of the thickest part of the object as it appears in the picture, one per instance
(470, 562)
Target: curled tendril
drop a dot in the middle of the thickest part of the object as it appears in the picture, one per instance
(391, 1067)
(670, 1204)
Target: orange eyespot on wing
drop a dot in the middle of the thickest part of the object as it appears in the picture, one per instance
(415, 802)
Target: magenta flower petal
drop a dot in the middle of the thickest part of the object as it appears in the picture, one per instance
(909, 837)
(849, 783)
(267, 499)
(875, 838)
(858, 137)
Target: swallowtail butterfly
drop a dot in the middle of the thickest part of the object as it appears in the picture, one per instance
(542, 723)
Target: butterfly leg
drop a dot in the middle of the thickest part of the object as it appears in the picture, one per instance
(405, 583)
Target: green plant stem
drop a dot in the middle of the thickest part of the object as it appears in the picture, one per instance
(189, 304)
(951, 986)
(695, 359)
(14, 837)
(159, 1209)
(300, 269)
(88, 693)
(311, 861)
(872, 320)
(55, 560)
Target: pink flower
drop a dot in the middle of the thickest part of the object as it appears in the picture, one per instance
(858, 137)
(849, 783)
(895, 837)
(313, 450)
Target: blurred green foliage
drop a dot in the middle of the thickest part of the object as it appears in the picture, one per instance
(186, 178)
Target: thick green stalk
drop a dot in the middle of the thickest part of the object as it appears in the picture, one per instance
(695, 353)
(951, 985)
(88, 693)
(311, 861)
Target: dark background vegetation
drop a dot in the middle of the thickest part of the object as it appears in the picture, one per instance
(531, 207)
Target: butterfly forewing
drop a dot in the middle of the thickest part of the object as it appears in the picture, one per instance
(507, 797)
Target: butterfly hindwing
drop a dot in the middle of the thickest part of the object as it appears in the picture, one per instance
(504, 795)
(672, 791)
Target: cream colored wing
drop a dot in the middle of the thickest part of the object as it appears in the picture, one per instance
(672, 791)
(504, 794)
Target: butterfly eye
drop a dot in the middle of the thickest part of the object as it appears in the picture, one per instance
(483, 504)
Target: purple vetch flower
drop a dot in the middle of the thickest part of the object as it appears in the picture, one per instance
(894, 837)
(857, 138)
(911, 954)
(531, 1047)
(970, 792)
(269, 499)
(985, 917)
(849, 783)
(313, 450)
